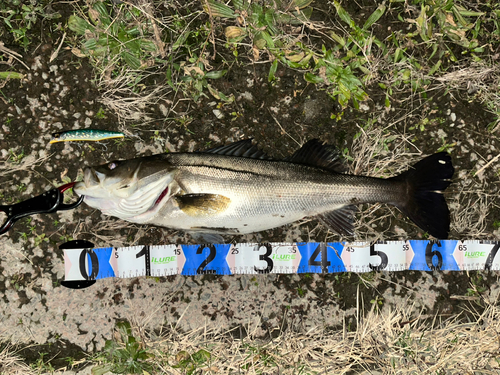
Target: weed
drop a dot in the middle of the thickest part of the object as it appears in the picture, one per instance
(268, 28)
(191, 364)
(118, 41)
(101, 113)
(41, 365)
(23, 236)
(40, 238)
(125, 357)
(20, 17)
(258, 355)
(15, 157)
(478, 284)
(377, 302)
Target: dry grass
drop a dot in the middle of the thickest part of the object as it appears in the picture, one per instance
(389, 341)
(11, 364)
(105, 234)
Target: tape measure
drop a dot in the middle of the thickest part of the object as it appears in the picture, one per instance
(84, 264)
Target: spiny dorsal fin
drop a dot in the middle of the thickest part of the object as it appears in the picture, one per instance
(340, 220)
(202, 204)
(243, 148)
(316, 154)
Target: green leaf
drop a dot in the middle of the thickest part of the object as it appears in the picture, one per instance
(272, 70)
(301, 3)
(239, 4)
(100, 8)
(180, 41)
(435, 68)
(131, 60)
(387, 101)
(216, 74)
(344, 16)
(8, 75)
(374, 17)
(101, 369)
(337, 38)
(216, 9)
(202, 356)
(147, 45)
(269, 41)
(311, 78)
(90, 44)
(79, 25)
(398, 54)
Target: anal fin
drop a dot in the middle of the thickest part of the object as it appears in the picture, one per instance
(202, 204)
(341, 220)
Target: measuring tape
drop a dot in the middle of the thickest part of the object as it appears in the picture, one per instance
(85, 264)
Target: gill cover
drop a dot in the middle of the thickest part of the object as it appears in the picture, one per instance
(127, 189)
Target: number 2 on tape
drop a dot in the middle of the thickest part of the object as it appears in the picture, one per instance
(211, 256)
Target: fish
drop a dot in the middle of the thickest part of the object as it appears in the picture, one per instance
(85, 135)
(238, 189)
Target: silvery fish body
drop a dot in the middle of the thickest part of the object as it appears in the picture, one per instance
(236, 189)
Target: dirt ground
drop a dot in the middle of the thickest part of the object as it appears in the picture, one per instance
(36, 309)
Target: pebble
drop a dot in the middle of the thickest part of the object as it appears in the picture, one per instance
(218, 114)
(453, 117)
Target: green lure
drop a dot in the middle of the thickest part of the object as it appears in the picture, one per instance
(85, 135)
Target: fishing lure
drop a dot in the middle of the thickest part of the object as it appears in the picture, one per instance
(85, 135)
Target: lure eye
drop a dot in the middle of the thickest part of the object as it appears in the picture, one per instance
(112, 166)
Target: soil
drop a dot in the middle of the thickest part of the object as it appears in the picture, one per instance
(62, 95)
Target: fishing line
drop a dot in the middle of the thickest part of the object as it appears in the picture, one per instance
(85, 264)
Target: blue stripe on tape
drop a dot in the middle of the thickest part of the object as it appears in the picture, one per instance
(432, 255)
(205, 259)
(320, 257)
(104, 256)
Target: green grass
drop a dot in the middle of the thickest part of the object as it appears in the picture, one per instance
(346, 57)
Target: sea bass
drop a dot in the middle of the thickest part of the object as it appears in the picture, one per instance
(237, 189)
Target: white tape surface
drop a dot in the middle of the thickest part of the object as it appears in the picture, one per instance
(310, 257)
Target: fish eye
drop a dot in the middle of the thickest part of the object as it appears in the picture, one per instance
(112, 166)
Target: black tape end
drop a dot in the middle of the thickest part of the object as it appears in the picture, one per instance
(77, 244)
(78, 284)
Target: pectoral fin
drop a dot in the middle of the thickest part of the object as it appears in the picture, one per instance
(202, 204)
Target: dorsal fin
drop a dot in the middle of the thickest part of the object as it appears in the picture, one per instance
(316, 154)
(243, 148)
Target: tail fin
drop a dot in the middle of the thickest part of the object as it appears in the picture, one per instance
(425, 204)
